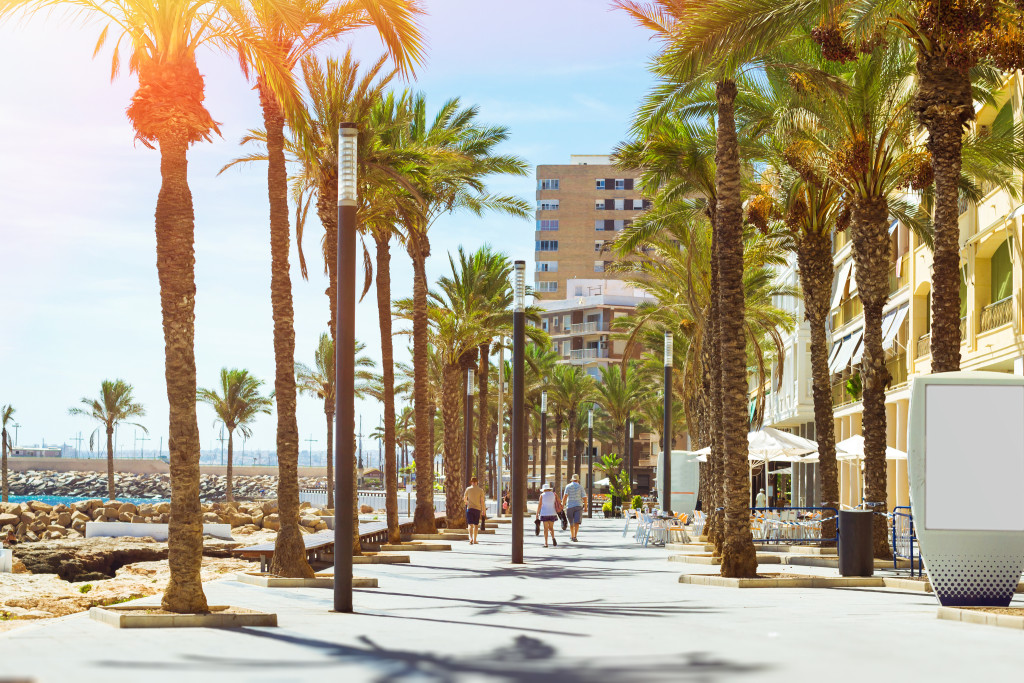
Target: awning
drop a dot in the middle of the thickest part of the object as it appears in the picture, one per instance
(896, 319)
(842, 280)
(850, 345)
(837, 349)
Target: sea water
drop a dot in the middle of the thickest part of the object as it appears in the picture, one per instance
(67, 500)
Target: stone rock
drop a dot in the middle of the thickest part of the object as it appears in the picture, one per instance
(309, 521)
(128, 508)
(7, 518)
(38, 506)
(54, 528)
(27, 517)
(269, 508)
(239, 519)
(80, 517)
(272, 522)
(98, 514)
(321, 525)
(125, 517)
(163, 508)
(366, 509)
(64, 519)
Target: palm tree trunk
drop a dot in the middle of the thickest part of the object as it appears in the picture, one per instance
(738, 557)
(558, 453)
(387, 362)
(231, 453)
(329, 415)
(111, 492)
(424, 521)
(3, 485)
(870, 222)
(175, 262)
(452, 380)
(715, 526)
(814, 259)
(944, 105)
(482, 376)
(289, 549)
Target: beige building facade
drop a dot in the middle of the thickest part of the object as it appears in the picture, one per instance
(581, 206)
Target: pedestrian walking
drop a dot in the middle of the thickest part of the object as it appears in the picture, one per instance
(548, 508)
(475, 501)
(573, 500)
(760, 500)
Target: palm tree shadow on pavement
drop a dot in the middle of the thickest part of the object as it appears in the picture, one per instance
(525, 659)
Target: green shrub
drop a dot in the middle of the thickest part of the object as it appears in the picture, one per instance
(85, 589)
(607, 507)
(638, 502)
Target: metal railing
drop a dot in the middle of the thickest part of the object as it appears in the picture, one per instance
(785, 526)
(963, 329)
(997, 314)
(587, 354)
(589, 328)
(375, 499)
(898, 282)
(904, 538)
(897, 367)
(850, 309)
(840, 396)
(924, 345)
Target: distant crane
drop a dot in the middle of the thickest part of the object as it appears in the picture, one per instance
(311, 441)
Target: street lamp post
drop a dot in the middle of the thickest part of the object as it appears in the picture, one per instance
(543, 437)
(467, 419)
(666, 431)
(518, 443)
(629, 454)
(344, 364)
(590, 461)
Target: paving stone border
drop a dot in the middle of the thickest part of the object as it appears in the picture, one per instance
(134, 616)
(319, 581)
(390, 558)
(971, 616)
(774, 582)
(711, 560)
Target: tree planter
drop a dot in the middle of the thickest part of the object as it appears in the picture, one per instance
(152, 616)
(319, 581)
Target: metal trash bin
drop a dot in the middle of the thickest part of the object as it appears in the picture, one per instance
(856, 556)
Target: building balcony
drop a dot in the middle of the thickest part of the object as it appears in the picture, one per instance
(996, 314)
(589, 328)
(924, 345)
(585, 355)
(850, 309)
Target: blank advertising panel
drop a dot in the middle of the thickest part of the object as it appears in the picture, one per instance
(974, 457)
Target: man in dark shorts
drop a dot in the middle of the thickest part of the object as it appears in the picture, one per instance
(475, 501)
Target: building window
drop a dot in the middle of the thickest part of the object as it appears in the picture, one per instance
(599, 184)
(598, 266)
(544, 324)
(620, 184)
(566, 323)
(598, 245)
(620, 204)
(547, 205)
(546, 224)
(545, 286)
(547, 266)
(599, 204)
(566, 348)
(547, 184)
(547, 245)
(637, 204)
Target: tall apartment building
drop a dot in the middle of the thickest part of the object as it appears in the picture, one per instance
(580, 207)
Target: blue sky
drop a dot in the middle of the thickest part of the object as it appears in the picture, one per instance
(80, 300)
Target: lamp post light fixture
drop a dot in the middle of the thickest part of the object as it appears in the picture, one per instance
(590, 461)
(665, 485)
(467, 420)
(344, 364)
(518, 441)
(543, 437)
(629, 454)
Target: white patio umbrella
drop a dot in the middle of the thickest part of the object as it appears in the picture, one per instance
(853, 449)
(602, 482)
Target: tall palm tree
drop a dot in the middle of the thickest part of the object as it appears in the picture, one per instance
(6, 416)
(167, 112)
(115, 405)
(318, 381)
(461, 156)
(290, 31)
(571, 387)
(238, 405)
(618, 393)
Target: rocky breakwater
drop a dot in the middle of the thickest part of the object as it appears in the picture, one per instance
(212, 487)
(37, 521)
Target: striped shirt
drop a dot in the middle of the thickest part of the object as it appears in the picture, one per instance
(574, 495)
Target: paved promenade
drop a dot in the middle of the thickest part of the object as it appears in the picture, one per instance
(601, 610)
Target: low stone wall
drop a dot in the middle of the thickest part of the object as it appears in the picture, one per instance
(147, 466)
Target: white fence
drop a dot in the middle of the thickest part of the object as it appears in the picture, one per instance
(375, 499)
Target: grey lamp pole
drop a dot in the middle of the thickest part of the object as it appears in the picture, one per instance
(629, 455)
(344, 364)
(467, 419)
(543, 437)
(590, 461)
(518, 442)
(666, 431)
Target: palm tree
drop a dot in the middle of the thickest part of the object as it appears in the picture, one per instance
(618, 393)
(462, 155)
(289, 33)
(6, 416)
(115, 405)
(318, 382)
(238, 405)
(167, 112)
(571, 387)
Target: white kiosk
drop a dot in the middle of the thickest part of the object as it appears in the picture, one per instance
(685, 480)
(966, 468)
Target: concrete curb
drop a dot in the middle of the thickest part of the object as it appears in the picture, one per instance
(133, 616)
(320, 581)
(823, 582)
(971, 616)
